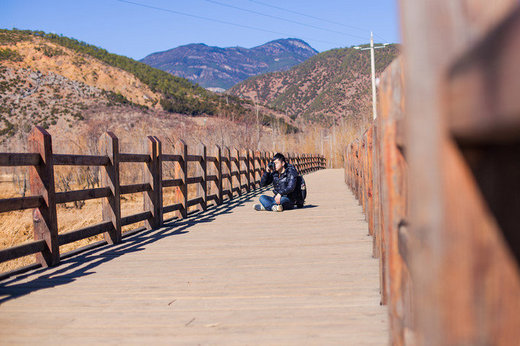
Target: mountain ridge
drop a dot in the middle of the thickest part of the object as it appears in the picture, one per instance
(66, 85)
(326, 87)
(215, 67)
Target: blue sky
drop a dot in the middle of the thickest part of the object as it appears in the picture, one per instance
(136, 28)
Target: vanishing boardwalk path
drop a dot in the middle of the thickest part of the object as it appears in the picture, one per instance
(227, 276)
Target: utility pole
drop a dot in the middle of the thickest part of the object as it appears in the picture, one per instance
(257, 126)
(373, 70)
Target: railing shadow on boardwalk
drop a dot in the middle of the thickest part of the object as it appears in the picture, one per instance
(82, 264)
(214, 177)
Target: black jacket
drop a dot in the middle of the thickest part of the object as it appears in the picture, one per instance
(284, 184)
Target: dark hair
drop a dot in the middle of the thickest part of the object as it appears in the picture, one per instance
(279, 156)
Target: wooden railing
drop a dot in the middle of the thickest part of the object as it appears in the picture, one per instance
(245, 165)
(376, 172)
(438, 176)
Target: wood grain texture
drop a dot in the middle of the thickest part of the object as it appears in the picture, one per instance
(229, 275)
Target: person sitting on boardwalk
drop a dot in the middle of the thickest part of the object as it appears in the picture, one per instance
(284, 178)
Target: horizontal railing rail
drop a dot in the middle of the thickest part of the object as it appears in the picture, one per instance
(226, 171)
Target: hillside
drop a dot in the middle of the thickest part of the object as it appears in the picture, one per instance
(331, 85)
(62, 84)
(220, 68)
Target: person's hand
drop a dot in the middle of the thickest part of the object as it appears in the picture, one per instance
(278, 198)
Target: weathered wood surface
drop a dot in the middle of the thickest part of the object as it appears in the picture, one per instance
(299, 277)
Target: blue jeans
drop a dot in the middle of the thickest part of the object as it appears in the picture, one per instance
(268, 202)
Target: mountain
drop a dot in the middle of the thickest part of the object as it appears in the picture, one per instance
(218, 68)
(331, 85)
(72, 87)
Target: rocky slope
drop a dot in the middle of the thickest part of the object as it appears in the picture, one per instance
(331, 85)
(218, 68)
(65, 85)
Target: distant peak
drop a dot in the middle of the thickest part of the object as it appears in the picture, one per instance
(286, 42)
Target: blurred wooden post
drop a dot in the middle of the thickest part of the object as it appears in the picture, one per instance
(183, 149)
(45, 219)
(109, 176)
(462, 87)
(153, 176)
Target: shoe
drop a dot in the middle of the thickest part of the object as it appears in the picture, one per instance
(258, 207)
(277, 207)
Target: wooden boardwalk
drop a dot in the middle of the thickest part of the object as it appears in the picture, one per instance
(230, 275)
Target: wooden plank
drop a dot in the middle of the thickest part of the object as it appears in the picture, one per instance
(90, 231)
(20, 203)
(19, 159)
(183, 148)
(204, 171)
(172, 182)
(212, 178)
(80, 160)
(195, 180)
(248, 169)
(153, 177)
(212, 159)
(229, 165)
(109, 177)
(483, 88)
(171, 157)
(213, 197)
(469, 293)
(41, 177)
(81, 195)
(138, 217)
(394, 201)
(196, 158)
(22, 250)
(173, 207)
(219, 181)
(195, 201)
(134, 188)
(134, 157)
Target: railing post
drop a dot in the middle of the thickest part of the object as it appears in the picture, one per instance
(239, 175)
(182, 148)
(45, 219)
(219, 174)
(253, 167)
(111, 206)
(201, 150)
(230, 171)
(248, 169)
(153, 176)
